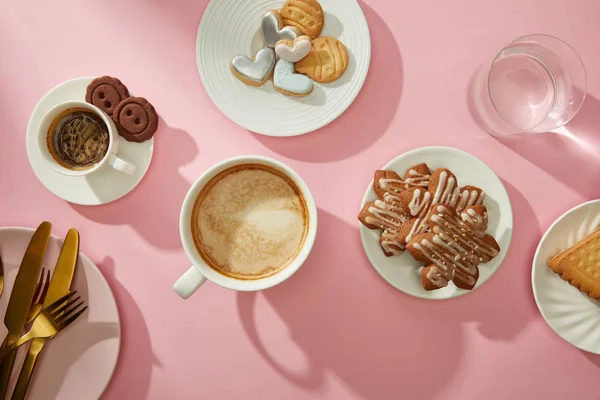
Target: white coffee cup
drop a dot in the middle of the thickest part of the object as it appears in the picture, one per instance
(110, 158)
(200, 272)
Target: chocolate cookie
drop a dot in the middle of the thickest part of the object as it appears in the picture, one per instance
(136, 119)
(106, 93)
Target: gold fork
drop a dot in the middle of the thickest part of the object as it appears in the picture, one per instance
(51, 320)
(39, 295)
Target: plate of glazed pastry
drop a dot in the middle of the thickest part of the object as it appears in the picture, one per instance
(436, 222)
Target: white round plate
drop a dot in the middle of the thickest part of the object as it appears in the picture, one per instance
(232, 27)
(403, 272)
(79, 362)
(104, 185)
(573, 315)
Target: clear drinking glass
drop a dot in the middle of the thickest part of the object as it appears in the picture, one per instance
(537, 83)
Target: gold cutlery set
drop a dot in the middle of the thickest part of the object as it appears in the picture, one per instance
(40, 306)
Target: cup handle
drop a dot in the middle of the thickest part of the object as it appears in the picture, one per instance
(189, 282)
(121, 165)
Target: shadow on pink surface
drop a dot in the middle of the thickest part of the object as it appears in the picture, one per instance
(154, 218)
(575, 145)
(368, 117)
(131, 379)
(593, 358)
(351, 324)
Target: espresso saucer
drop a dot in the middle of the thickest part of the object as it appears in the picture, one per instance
(403, 272)
(100, 187)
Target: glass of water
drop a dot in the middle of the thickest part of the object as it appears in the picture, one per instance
(537, 83)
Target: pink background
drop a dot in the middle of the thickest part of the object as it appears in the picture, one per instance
(335, 330)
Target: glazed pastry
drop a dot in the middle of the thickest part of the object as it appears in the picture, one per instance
(388, 215)
(389, 181)
(469, 196)
(453, 250)
(400, 200)
(254, 72)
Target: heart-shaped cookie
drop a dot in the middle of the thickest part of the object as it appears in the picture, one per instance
(293, 51)
(273, 31)
(254, 72)
(286, 81)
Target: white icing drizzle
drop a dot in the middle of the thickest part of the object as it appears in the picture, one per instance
(390, 243)
(418, 203)
(446, 191)
(417, 179)
(436, 277)
(419, 210)
(385, 215)
(477, 222)
(400, 185)
(455, 250)
(470, 198)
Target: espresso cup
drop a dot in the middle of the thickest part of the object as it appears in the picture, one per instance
(201, 269)
(110, 158)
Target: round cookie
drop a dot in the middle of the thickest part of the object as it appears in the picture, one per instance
(106, 93)
(305, 15)
(326, 62)
(136, 119)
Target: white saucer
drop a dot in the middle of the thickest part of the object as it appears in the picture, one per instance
(573, 315)
(403, 272)
(78, 363)
(232, 27)
(100, 187)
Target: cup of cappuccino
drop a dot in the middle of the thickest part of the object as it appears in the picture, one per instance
(76, 138)
(248, 223)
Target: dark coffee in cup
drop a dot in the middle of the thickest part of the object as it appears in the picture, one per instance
(78, 139)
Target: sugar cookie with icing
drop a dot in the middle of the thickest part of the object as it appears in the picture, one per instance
(254, 72)
(273, 29)
(295, 50)
(286, 81)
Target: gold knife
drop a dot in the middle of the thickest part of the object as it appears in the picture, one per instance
(60, 285)
(22, 295)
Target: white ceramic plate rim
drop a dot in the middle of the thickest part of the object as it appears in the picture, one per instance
(506, 211)
(536, 265)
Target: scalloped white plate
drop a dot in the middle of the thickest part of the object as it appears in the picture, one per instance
(574, 316)
(232, 27)
(403, 272)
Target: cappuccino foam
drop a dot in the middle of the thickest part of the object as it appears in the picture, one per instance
(249, 222)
